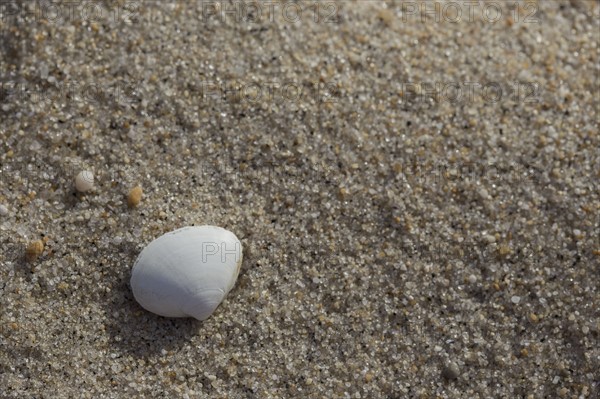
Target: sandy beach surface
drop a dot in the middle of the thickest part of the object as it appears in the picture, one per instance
(415, 185)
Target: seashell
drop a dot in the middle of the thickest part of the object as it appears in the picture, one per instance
(187, 272)
(84, 181)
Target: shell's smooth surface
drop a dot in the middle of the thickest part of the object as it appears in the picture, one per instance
(84, 181)
(187, 272)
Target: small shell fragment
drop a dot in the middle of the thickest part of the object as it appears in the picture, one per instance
(34, 250)
(187, 272)
(84, 181)
(134, 197)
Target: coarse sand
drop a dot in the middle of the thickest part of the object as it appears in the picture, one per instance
(415, 184)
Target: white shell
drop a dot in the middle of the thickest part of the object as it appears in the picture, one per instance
(187, 272)
(84, 181)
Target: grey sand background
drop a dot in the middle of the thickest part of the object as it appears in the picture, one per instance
(416, 192)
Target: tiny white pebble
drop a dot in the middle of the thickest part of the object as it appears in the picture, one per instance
(585, 329)
(451, 371)
(3, 210)
(515, 299)
(472, 279)
(490, 238)
(84, 181)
